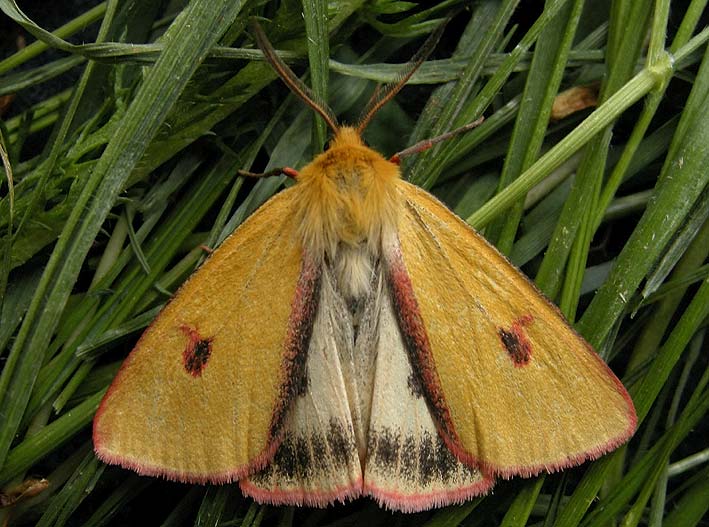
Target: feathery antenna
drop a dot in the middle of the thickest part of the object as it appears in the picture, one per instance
(383, 94)
(291, 79)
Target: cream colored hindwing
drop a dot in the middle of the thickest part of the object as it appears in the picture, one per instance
(317, 461)
(360, 423)
(408, 466)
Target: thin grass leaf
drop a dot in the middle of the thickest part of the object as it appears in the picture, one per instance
(477, 46)
(692, 507)
(20, 371)
(118, 499)
(15, 302)
(51, 437)
(316, 31)
(678, 189)
(65, 502)
(14, 83)
(177, 517)
(35, 48)
(696, 220)
(650, 338)
(127, 328)
(576, 225)
(213, 506)
(636, 88)
(647, 468)
(543, 81)
(436, 159)
(698, 310)
(659, 500)
(520, 509)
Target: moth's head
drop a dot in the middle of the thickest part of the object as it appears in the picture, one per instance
(346, 137)
(349, 162)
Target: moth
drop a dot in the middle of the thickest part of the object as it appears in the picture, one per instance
(354, 337)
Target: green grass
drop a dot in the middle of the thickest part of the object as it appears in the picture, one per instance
(112, 184)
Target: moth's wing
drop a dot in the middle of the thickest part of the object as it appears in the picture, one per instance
(317, 463)
(513, 388)
(408, 466)
(203, 395)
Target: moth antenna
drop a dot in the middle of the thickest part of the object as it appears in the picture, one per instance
(424, 145)
(384, 93)
(291, 79)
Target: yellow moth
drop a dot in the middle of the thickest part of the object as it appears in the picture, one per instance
(355, 338)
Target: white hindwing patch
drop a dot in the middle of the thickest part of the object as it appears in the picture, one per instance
(360, 423)
(317, 462)
(409, 468)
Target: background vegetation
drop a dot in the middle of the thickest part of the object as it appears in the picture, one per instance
(121, 144)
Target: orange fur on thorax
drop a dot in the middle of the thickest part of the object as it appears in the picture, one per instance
(348, 196)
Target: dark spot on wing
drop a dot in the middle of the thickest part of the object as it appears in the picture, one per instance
(415, 385)
(515, 341)
(427, 459)
(196, 352)
(409, 459)
(340, 441)
(418, 459)
(320, 459)
(301, 458)
(285, 458)
(301, 385)
(388, 446)
(446, 463)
